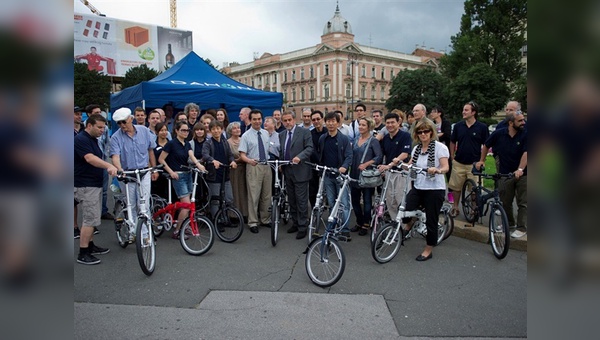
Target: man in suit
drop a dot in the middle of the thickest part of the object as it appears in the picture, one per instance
(296, 146)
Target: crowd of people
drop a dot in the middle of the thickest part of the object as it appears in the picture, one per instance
(376, 140)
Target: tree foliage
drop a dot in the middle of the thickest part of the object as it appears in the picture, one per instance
(91, 87)
(491, 32)
(411, 87)
(481, 84)
(138, 74)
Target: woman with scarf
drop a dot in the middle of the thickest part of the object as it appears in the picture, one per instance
(429, 187)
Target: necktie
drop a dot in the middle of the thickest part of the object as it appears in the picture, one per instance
(261, 148)
(287, 146)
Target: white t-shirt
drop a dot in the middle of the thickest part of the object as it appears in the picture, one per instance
(438, 182)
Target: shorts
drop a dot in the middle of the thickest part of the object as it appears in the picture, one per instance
(460, 172)
(183, 186)
(90, 200)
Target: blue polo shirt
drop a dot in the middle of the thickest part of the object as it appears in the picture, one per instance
(393, 147)
(469, 140)
(508, 149)
(178, 154)
(86, 175)
(133, 151)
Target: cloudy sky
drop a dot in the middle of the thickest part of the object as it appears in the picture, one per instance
(233, 30)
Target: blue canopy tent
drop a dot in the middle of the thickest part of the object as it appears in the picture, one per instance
(192, 80)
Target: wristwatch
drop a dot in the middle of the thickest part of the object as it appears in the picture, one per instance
(520, 169)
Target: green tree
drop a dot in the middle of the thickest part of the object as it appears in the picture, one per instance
(481, 84)
(416, 86)
(91, 87)
(491, 32)
(138, 74)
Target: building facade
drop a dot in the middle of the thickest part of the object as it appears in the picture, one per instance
(333, 75)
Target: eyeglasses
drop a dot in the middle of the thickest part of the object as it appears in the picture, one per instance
(316, 119)
(184, 130)
(422, 132)
(122, 122)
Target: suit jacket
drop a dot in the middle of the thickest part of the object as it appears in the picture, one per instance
(301, 147)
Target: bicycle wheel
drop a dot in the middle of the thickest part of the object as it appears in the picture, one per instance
(157, 222)
(316, 224)
(121, 227)
(448, 224)
(469, 201)
(325, 262)
(445, 226)
(385, 247)
(229, 224)
(274, 220)
(200, 242)
(499, 236)
(377, 221)
(145, 247)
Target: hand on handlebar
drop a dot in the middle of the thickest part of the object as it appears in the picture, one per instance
(479, 165)
(112, 170)
(216, 163)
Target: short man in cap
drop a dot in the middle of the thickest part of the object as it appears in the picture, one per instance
(131, 147)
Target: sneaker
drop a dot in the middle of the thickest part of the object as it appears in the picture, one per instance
(77, 233)
(175, 235)
(96, 231)
(450, 197)
(517, 234)
(95, 250)
(497, 212)
(346, 235)
(107, 216)
(87, 259)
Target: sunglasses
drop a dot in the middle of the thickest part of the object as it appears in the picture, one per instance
(121, 122)
(422, 132)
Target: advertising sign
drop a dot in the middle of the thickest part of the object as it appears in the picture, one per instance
(113, 46)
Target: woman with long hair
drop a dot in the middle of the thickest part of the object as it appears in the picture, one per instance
(174, 155)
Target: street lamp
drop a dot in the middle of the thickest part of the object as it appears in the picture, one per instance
(352, 59)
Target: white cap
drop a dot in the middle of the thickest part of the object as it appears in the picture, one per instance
(121, 114)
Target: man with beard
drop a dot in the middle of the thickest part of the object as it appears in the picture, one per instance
(510, 146)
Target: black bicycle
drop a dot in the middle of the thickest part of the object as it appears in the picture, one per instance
(228, 219)
(280, 208)
(475, 197)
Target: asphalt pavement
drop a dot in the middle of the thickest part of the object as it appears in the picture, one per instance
(250, 290)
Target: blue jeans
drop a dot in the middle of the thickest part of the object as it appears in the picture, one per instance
(332, 189)
(363, 215)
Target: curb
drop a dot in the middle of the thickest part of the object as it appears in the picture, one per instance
(479, 233)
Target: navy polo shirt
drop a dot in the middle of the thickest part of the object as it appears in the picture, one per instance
(393, 147)
(469, 140)
(178, 154)
(221, 156)
(87, 175)
(508, 149)
(330, 152)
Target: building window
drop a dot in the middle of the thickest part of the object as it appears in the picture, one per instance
(383, 73)
(373, 91)
(348, 90)
(259, 80)
(326, 69)
(312, 72)
(284, 76)
(285, 95)
(293, 75)
(275, 78)
(312, 93)
(302, 73)
(363, 71)
(348, 68)
(392, 74)
(326, 91)
(373, 72)
(363, 92)
(382, 92)
(267, 77)
(302, 94)
(294, 95)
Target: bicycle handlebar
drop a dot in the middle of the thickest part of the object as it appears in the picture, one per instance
(324, 168)
(495, 176)
(125, 174)
(193, 168)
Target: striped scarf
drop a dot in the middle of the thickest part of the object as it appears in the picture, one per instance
(430, 157)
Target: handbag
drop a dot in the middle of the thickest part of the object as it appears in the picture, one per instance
(369, 178)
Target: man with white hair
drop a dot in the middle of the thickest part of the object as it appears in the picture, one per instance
(306, 122)
(131, 147)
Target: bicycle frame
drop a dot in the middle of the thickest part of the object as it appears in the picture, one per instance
(125, 176)
(483, 200)
(171, 208)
